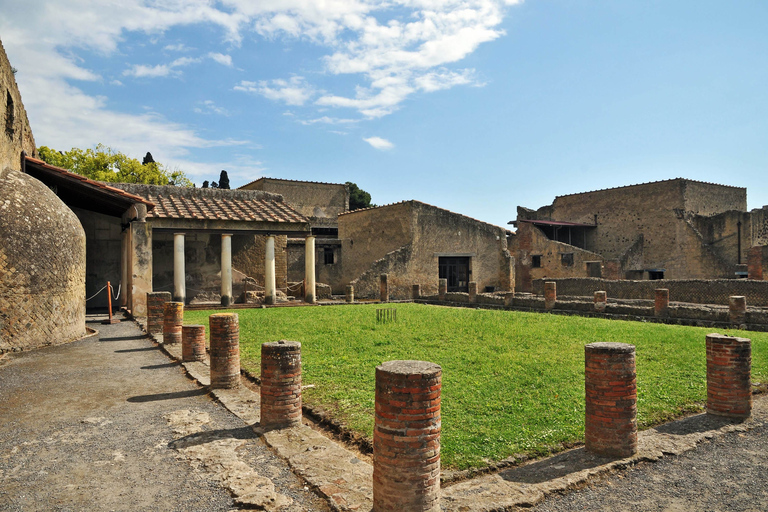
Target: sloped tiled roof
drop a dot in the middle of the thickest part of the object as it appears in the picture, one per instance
(214, 204)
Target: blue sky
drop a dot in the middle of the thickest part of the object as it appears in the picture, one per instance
(476, 106)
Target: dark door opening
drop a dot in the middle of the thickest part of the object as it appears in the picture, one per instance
(456, 270)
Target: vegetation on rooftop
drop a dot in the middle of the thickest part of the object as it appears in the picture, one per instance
(102, 163)
(513, 382)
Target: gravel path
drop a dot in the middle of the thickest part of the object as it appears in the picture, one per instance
(88, 426)
(727, 473)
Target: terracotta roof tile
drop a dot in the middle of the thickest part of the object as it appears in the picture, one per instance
(214, 204)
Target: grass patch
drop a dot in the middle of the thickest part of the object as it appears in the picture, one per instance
(513, 382)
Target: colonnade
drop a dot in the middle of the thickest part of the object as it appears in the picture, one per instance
(270, 284)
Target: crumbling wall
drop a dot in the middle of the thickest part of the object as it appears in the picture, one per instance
(15, 133)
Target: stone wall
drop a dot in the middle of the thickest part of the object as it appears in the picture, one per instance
(103, 248)
(406, 241)
(16, 133)
(553, 257)
(318, 200)
(42, 266)
(329, 273)
(662, 214)
(697, 291)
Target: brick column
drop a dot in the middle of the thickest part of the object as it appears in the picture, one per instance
(756, 258)
(611, 399)
(737, 309)
(472, 291)
(416, 292)
(729, 383)
(442, 288)
(509, 297)
(550, 294)
(225, 350)
(350, 293)
(193, 343)
(600, 299)
(280, 384)
(406, 437)
(156, 311)
(173, 317)
(384, 288)
(661, 302)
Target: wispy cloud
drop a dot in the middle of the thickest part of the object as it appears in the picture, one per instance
(210, 107)
(328, 120)
(160, 70)
(294, 91)
(379, 143)
(225, 60)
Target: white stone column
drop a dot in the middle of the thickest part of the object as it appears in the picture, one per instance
(179, 277)
(270, 296)
(125, 262)
(226, 269)
(309, 270)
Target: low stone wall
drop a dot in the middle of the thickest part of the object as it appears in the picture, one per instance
(701, 315)
(696, 291)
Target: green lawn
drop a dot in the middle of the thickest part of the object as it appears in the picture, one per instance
(513, 382)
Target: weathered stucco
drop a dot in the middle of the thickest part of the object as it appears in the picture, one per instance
(16, 134)
(42, 266)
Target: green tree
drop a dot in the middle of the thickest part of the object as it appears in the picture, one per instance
(104, 164)
(223, 180)
(358, 198)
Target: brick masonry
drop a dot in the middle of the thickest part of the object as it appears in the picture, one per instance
(280, 384)
(156, 311)
(472, 291)
(173, 318)
(350, 293)
(729, 384)
(600, 299)
(661, 302)
(384, 288)
(550, 294)
(406, 437)
(193, 343)
(442, 288)
(611, 399)
(225, 350)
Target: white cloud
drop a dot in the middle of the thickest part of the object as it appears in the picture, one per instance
(294, 91)
(160, 70)
(328, 120)
(180, 47)
(379, 143)
(225, 60)
(210, 107)
(116, 82)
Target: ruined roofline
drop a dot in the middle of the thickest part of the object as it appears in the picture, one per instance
(650, 183)
(264, 178)
(144, 190)
(420, 203)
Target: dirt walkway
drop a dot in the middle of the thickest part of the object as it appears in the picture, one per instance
(109, 423)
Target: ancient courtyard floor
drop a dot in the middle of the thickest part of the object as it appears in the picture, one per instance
(111, 422)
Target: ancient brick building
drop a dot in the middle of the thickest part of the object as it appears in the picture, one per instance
(417, 243)
(673, 229)
(42, 245)
(321, 203)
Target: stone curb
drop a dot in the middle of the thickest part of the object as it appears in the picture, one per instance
(346, 481)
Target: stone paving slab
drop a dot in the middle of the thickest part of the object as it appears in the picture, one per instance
(347, 481)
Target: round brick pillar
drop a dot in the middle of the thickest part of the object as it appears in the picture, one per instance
(406, 437)
(737, 309)
(729, 382)
(550, 294)
(173, 318)
(225, 350)
(600, 301)
(280, 384)
(384, 288)
(193, 343)
(156, 311)
(611, 399)
(661, 302)
(350, 293)
(472, 291)
(442, 288)
(416, 292)
(509, 298)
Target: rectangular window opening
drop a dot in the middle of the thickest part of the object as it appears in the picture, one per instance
(566, 259)
(329, 256)
(536, 261)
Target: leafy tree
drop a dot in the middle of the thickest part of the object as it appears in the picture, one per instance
(148, 159)
(224, 180)
(358, 198)
(105, 164)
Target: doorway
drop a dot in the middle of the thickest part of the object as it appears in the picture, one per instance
(456, 270)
